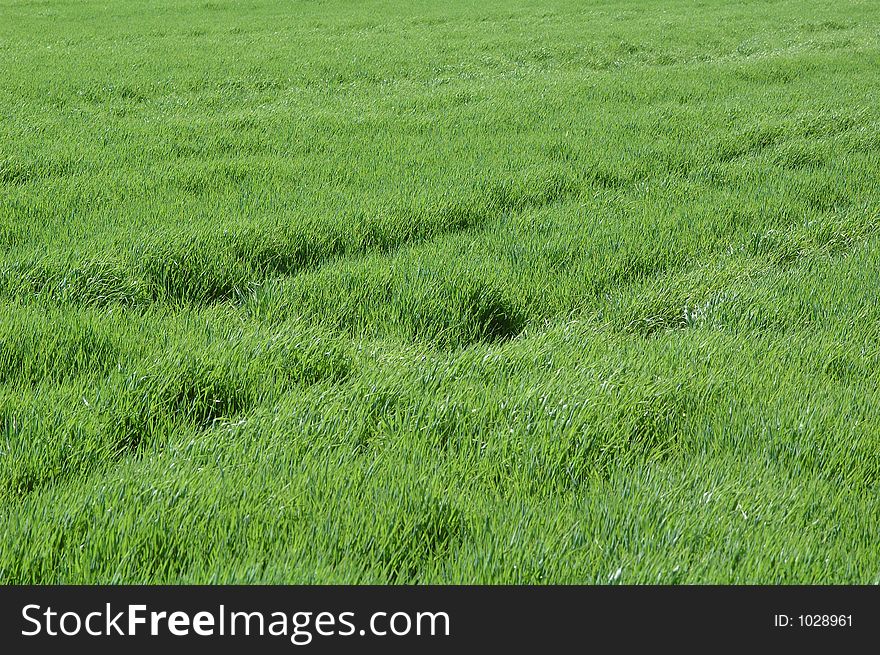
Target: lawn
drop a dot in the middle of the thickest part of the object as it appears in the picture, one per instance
(439, 292)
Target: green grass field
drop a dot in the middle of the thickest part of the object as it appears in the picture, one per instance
(439, 292)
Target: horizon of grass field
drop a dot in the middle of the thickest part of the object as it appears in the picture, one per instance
(382, 292)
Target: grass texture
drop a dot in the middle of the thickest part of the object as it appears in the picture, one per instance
(439, 292)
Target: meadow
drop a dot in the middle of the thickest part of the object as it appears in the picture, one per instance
(439, 292)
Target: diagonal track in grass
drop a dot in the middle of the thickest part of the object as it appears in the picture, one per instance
(213, 264)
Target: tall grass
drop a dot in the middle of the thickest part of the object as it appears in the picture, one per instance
(391, 292)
